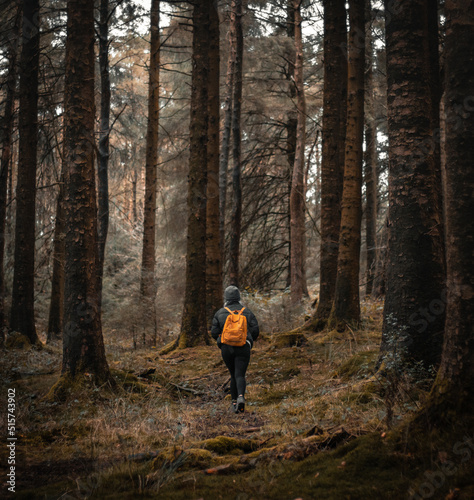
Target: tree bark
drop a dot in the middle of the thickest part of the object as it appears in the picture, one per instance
(56, 307)
(298, 191)
(22, 312)
(225, 143)
(134, 197)
(432, 33)
(6, 143)
(147, 284)
(453, 392)
(415, 272)
(213, 247)
(370, 158)
(83, 345)
(378, 289)
(292, 120)
(104, 132)
(236, 214)
(346, 301)
(194, 322)
(333, 141)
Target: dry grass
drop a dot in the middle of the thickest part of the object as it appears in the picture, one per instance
(324, 384)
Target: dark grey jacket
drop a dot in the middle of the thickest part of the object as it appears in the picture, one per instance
(221, 315)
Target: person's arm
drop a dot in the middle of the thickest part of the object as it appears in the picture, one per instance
(252, 327)
(216, 328)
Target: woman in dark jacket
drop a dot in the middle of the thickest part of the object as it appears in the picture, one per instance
(236, 358)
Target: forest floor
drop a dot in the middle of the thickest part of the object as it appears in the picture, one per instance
(315, 425)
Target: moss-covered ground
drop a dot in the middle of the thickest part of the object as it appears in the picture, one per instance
(314, 427)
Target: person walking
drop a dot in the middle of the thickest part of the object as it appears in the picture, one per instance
(235, 328)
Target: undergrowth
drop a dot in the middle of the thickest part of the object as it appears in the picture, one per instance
(164, 429)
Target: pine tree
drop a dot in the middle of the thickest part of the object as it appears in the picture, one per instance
(415, 276)
(147, 283)
(194, 321)
(22, 312)
(333, 141)
(346, 300)
(83, 345)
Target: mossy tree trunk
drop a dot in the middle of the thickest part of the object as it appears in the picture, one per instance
(333, 141)
(83, 345)
(236, 213)
(6, 132)
(415, 276)
(298, 187)
(213, 247)
(22, 312)
(194, 322)
(346, 300)
(147, 284)
(453, 392)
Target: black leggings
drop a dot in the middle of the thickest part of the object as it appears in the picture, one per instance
(236, 359)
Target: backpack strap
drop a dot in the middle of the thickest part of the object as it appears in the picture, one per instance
(231, 312)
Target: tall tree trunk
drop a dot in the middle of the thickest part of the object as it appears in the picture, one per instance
(5, 161)
(378, 289)
(225, 143)
(298, 191)
(213, 247)
(149, 223)
(104, 132)
(333, 141)
(56, 307)
(194, 322)
(22, 313)
(370, 157)
(453, 391)
(432, 33)
(83, 345)
(292, 120)
(346, 301)
(415, 271)
(236, 215)
(134, 197)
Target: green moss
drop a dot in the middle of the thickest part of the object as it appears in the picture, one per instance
(128, 381)
(291, 339)
(63, 388)
(170, 347)
(191, 458)
(16, 340)
(224, 445)
(48, 436)
(52, 490)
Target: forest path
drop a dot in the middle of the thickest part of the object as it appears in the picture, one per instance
(169, 418)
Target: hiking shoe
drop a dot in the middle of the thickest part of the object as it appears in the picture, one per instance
(233, 406)
(240, 404)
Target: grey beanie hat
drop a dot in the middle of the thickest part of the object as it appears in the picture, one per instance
(231, 294)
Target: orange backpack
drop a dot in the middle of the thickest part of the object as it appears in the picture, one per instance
(235, 329)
